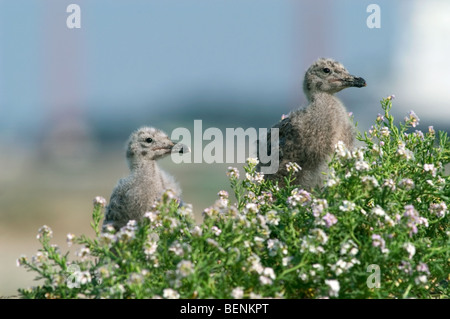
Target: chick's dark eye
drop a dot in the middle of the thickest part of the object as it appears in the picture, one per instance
(326, 70)
(148, 140)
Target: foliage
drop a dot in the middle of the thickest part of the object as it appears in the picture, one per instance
(382, 212)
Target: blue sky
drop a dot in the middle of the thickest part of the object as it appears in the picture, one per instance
(132, 56)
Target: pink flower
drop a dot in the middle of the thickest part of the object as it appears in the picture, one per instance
(329, 219)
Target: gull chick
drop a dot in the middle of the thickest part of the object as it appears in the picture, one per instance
(134, 195)
(308, 136)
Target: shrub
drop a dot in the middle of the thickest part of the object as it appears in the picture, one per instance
(379, 228)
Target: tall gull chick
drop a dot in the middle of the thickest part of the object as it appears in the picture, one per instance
(308, 136)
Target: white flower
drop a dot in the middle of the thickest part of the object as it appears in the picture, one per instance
(233, 172)
(237, 293)
(256, 265)
(421, 279)
(303, 276)
(369, 181)
(378, 241)
(332, 182)
(252, 161)
(214, 243)
(358, 153)
(423, 267)
(430, 168)
(439, 209)
(320, 235)
(84, 277)
(293, 167)
(150, 247)
(275, 245)
(107, 238)
(410, 248)
(169, 195)
(185, 268)
(319, 206)
(329, 219)
(152, 216)
(272, 217)
(347, 206)
(378, 211)
(108, 228)
(174, 222)
(341, 150)
(197, 231)
(349, 247)
(342, 266)
(99, 201)
(406, 183)
(376, 149)
(223, 194)
(176, 248)
(265, 280)
(126, 234)
(298, 197)
(412, 118)
(44, 231)
(385, 131)
(269, 272)
(185, 210)
(334, 287)
(216, 230)
(69, 239)
(267, 276)
(135, 279)
(41, 257)
(102, 272)
(389, 183)
(388, 220)
(22, 259)
(83, 253)
(169, 293)
(252, 207)
(256, 177)
(405, 153)
(286, 261)
(362, 166)
(317, 267)
(308, 245)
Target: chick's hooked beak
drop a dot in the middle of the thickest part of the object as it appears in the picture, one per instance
(166, 148)
(355, 81)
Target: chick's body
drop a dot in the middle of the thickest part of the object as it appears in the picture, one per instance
(137, 193)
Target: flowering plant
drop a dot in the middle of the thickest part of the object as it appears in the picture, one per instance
(379, 228)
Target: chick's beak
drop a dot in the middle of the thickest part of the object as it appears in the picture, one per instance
(166, 148)
(356, 81)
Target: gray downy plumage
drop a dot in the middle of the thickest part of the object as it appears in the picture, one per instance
(308, 136)
(135, 194)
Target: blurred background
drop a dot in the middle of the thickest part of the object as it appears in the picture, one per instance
(69, 98)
